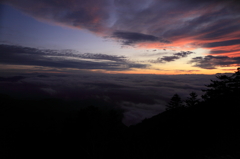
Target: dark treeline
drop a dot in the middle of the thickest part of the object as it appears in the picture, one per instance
(191, 128)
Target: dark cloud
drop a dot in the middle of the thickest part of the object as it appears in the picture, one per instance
(215, 51)
(175, 56)
(219, 29)
(130, 38)
(183, 53)
(167, 59)
(89, 14)
(20, 50)
(211, 62)
(102, 57)
(18, 55)
(223, 43)
(207, 25)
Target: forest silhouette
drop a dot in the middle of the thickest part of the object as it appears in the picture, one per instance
(206, 127)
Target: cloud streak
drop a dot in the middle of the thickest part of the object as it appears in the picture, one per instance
(19, 55)
(223, 43)
(211, 62)
(175, 57)
(131, 38)
(84, 14)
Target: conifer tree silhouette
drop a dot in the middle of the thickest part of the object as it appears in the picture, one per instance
(175, 102)
(192, 100)
(223, 86)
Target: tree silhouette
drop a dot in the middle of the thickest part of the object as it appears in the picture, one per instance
(175, 102)
(235, 84)
(192, 100)
(223, 86)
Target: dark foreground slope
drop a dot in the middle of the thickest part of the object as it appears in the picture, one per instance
(36, 129)
(54, 128)
(209, 129)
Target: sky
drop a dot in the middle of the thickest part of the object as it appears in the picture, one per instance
(45, 40)
(122, 36)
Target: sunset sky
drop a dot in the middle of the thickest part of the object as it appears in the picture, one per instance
(120, 36)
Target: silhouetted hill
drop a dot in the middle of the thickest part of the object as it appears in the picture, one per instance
(208, 129)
